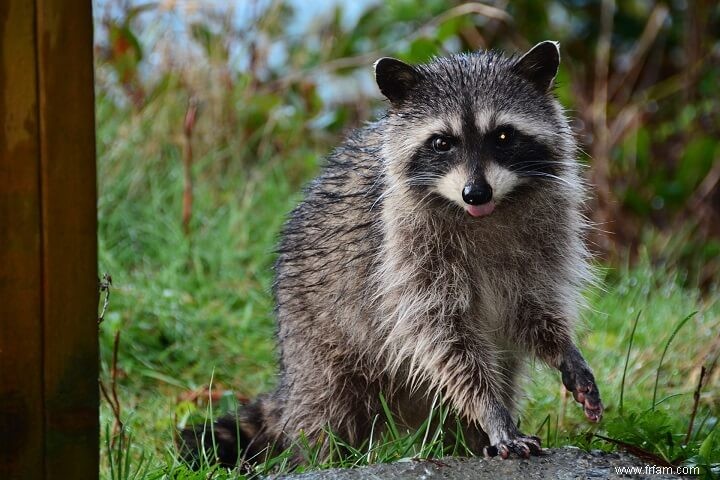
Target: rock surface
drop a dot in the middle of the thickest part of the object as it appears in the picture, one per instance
(561, 463)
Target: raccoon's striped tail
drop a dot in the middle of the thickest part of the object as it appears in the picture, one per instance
(234, 440)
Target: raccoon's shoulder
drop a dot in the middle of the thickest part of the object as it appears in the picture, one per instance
(351, 176)
(342, 203)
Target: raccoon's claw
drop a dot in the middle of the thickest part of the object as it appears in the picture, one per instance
(589, 397)
(522, 446)
(580, 381)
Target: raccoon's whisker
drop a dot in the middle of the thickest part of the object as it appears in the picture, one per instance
(424, 180)
(550, 162)
(422, 183)
(388, 191)
(548, 176)
(546, 162)
(582, 150)
(428, 175)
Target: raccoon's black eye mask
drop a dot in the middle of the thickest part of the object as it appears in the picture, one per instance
(504, 144)
(503, 136)
(521, 153)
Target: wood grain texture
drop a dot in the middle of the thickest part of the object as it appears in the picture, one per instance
(21, 375)
(48, 247)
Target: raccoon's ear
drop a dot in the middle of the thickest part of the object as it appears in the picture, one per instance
(395, 78)
(540, 65)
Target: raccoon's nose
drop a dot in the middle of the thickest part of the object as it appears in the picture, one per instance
(477, 194)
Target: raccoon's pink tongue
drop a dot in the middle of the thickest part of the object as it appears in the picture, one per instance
(481, 210)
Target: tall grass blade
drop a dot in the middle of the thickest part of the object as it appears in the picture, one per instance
(662, 357)
(390, 419)
(627, 360)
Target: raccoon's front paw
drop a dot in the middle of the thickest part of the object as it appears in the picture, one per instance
(523, 446)
(580, 381)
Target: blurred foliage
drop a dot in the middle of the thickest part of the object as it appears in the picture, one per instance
(640, 79)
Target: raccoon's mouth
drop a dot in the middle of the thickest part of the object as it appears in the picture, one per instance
(481, 210)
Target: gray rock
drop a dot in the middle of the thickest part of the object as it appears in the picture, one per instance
(561, 463)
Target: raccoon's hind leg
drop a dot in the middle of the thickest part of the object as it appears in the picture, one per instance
(327, 401)
(238, 439)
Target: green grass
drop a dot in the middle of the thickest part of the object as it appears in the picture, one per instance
(194, 309)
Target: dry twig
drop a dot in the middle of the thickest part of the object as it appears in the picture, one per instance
(112, 397)
(696, 403)
(188, 127)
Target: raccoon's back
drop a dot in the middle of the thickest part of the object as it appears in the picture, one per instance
(329, 244)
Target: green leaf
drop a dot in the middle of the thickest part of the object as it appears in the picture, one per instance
(707, 447)
(696, 161)
(421, 50)
(450, 28)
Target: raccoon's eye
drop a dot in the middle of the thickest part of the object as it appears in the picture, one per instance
(441, 144)
(504, 136)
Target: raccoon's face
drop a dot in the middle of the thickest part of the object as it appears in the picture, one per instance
(472, 129)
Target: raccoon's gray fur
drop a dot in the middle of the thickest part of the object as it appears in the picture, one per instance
(439, 248)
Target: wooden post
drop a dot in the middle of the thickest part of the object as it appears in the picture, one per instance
(48, 246)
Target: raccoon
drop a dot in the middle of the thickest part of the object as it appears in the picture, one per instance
(439, 248)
